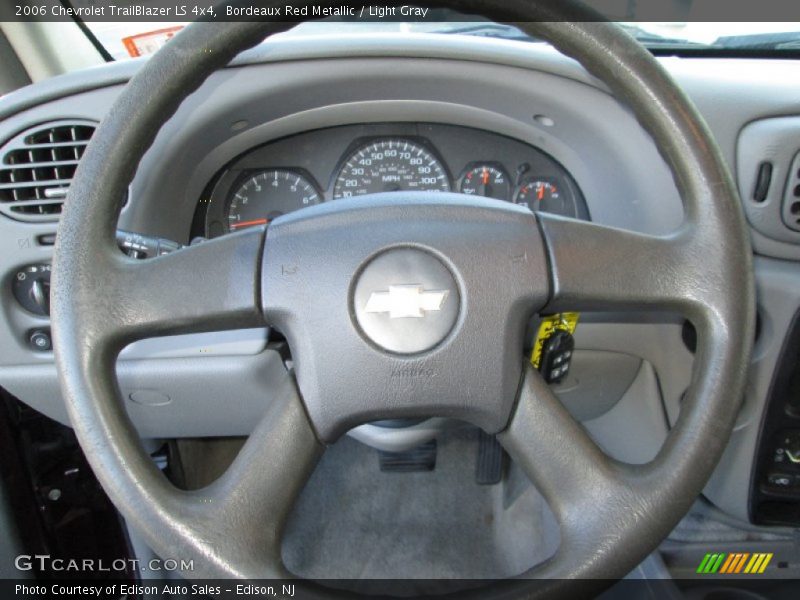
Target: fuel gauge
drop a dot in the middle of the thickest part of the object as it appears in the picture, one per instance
(488, 181)
(545, 195)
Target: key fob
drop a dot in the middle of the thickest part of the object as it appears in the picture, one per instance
(556, 355)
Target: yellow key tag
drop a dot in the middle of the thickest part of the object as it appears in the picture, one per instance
(564, 321)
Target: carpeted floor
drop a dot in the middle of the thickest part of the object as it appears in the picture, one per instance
(355, 522)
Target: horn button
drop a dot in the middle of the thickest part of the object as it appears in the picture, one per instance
(406, 301)
(405, 305)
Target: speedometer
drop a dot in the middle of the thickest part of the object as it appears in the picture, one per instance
(390, 165)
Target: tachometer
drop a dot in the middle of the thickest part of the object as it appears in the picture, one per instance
(390, 165)
(266, 195)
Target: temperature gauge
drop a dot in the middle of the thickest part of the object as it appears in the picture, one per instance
(545, 195)
(487, 181)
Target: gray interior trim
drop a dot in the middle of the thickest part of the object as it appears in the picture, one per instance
(401, 438)
(63, 86)
(596, 382)
(603, 389)
(778, 302)
(641, 404)
(305, 48)
(13, 75)
(777, 142)
(237, 342)
(177, 397)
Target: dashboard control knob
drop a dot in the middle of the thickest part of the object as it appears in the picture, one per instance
(31, 287)
(40, 291)
(781, 481)
(40, 340)
(791, 447)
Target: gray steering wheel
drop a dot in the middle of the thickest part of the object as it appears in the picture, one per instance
(490, 266)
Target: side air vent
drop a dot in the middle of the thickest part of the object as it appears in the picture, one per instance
(791, 198)
(36, 168)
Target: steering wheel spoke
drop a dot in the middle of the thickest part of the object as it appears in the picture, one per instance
(586, 489)
(554, 450)
(250, 503)
(596, 267)
(212, 286)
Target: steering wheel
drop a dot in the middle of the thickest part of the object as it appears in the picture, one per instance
(403, 305)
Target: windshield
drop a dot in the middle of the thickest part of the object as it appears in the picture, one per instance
(134, 39)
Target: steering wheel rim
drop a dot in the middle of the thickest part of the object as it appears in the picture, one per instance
(703, 270)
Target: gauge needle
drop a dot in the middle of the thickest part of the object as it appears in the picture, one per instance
(249, 223)
(485, 176)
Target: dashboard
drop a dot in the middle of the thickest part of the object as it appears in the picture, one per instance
(297, 122)
(349, 161)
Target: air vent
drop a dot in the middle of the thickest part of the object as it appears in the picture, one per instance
(36, 168)
(791, 198)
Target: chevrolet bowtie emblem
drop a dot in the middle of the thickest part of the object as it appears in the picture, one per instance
(403, 301)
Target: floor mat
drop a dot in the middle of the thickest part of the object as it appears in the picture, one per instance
(353, 521)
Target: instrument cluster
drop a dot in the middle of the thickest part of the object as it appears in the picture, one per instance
(351, 161)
